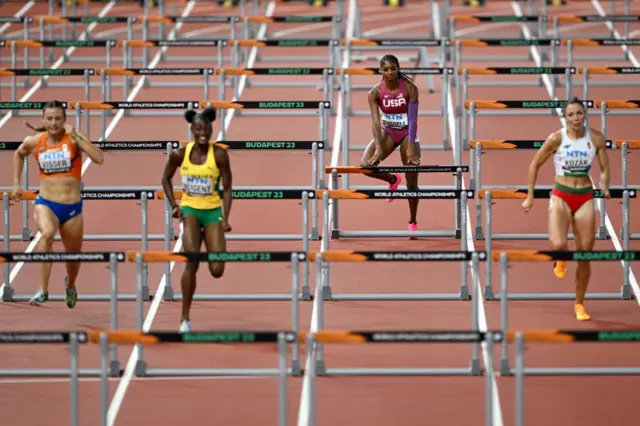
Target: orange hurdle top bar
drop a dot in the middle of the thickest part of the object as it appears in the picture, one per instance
(132, 337)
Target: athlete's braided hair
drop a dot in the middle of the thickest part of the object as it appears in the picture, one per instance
(392, 58)
(207, 115)
(50, 104)
(575, 100)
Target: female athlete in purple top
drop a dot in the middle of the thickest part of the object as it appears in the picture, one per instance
(394, 111)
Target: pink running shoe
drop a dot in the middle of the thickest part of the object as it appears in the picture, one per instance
(413, 227)
(394, 186)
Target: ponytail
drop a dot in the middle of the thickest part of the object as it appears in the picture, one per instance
(35, 129)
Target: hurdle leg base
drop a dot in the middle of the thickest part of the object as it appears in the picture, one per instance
(146, 296)
(475, 367)
(305, 294)
(488, 293)
(335, 234)
(602, 233)
(505, 370)
(321, 369)
(295, 368)
(26, 234)
(315, 234)
(479, 233)
(464, 293)
(458, 234)
(114, 369)
(626, 292)
(326, 293)
(167, 293)
(7, 293)
(141, 368)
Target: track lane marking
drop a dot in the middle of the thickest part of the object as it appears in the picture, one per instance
(547, 83)
(34, 89)
(303, 407)
(118, 397)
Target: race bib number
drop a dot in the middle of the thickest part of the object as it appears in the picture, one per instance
(395, 121)
(197, 186)
(55, 161)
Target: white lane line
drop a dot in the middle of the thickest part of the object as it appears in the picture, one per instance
(34, 89)
(547, 83)
(121, 390)
(482, 317)
(18, 14)
(303, 407)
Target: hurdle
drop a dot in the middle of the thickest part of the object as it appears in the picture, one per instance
(464, 84)
(111, 258)
(552, 55)
(129, 57)
(521, 193)
(372, 194)
(510, 256)
(74, 339)
(327, 83)
(320, 338)
(249, 24)
(561, 336)
(294, 259)
(167, 146)
(43, 73)
(536, 23)
(626, 19)
(322, 279)
(592, 42)
(107, 74)
(41, 44)
(613, 71)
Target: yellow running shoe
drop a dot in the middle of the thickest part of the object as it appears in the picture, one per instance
(581, 314)
(560, 268)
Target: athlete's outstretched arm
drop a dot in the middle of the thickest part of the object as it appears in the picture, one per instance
(603, 160)
(24, 150)
(224, 164)
(85, 144)
(548, 148)
(174, 161)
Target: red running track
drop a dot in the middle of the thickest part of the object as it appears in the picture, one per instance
(439, 399)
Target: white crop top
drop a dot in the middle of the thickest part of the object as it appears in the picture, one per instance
(574, 157)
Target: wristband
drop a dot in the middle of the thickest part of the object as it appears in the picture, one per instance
(413, 120)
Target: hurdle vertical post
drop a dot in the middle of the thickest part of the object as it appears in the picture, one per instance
(114, 366)
(74, 379)
(519, 380)
(104, 378)
(7, 291)
(140, 369)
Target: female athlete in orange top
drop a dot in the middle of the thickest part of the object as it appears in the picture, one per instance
(58, 149)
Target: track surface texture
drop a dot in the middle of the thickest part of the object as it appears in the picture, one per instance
(588, 401)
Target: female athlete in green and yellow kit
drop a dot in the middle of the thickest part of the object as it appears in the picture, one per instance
(202, 212)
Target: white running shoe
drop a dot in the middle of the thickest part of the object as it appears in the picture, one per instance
(185, 327)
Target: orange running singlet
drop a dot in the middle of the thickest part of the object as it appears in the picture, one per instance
(61, 159)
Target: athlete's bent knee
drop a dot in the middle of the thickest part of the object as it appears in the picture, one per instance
(216, 269)
(47, 237)
(558, 243)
